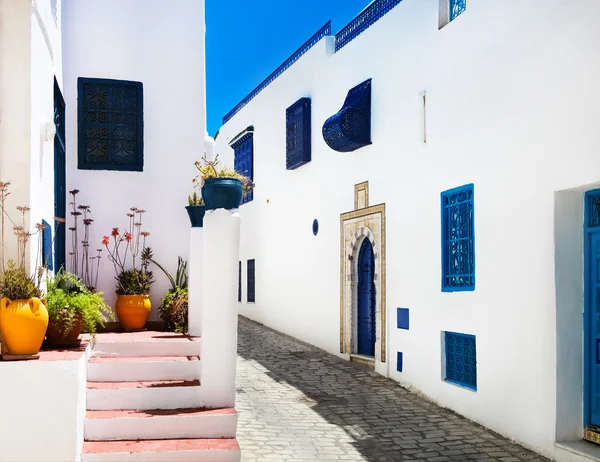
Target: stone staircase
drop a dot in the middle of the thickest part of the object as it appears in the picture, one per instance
(144, 403)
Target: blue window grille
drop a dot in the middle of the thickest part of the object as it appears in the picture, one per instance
(110, 125)
(369, 16)
(461, 359)
(458, 239)
(298, 134)
(456, 8)
(244, 160)
(47, 245)
(251, 295)
(240, 281)
(350, 128)
(592, 220)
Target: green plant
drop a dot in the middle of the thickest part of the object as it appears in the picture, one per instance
(173, 309)
(181, 279)
(213, 169)
(195, 199)
(68, 299)
(16, 284)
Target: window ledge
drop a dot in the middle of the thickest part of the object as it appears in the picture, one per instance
(587, 451)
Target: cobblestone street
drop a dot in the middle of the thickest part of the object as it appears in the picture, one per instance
(300, 403)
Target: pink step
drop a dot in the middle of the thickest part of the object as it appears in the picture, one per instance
(142, 414)
(145, 384)
(145, 336)
(184, 450)
(103, 359)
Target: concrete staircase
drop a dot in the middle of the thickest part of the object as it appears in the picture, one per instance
(144, 403)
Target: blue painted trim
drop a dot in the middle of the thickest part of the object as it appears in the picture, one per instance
(587, 305)
(47, 245)
(451, 380)
(465, 288)
(399, 361)
(402, 318)
(82, 163)
(369, 16)
(242, 140)
(311, 42)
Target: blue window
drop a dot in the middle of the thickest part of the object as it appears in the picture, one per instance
(244, 160)
(47, 245)
(461, 359)
(240, 282)
(298, 134)
(458, 239)
(110, 125)
(456, 7)
(251, 295)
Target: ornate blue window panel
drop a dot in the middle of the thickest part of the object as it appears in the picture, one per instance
(251, 275)
(458, 239)
(461, 359)
(244, 160)
(350, 128)
(592, 220)
(47, 245)
(369, 16)
(110, 125)
(297, 134)
(456, 8)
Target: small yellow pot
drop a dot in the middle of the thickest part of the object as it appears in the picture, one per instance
(133, 311)
(23, 324)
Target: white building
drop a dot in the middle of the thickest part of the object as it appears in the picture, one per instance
(498, 99)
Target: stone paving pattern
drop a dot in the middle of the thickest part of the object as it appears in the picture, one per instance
(299, 403)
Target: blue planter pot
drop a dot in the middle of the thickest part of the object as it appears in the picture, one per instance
(222, 193)
(196, 214)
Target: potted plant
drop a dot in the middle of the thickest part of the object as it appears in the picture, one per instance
(23, 314)
(173, 309)
(72, 307)
(133, 281)
(222, 187)
(196, 210)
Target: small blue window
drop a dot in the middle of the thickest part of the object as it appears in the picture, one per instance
(240, 282)
(461, 359)
(47, 245)
(457, 7)
(251, 295)
(458, 239)
(244, 160)
(298, 134)
(315, 227)
(110, 125)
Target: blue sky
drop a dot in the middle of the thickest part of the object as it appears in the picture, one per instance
(246, 41)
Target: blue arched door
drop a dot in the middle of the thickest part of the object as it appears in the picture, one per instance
(366, 300)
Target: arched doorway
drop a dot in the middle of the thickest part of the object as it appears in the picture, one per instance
(366, 297)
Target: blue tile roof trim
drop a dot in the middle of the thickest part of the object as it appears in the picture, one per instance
(369, 16)
(350, 128)
(311, 42)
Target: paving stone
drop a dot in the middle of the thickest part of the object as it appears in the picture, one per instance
(298, 403)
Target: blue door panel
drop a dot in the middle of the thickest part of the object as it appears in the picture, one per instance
(366, 300)
(594, 328)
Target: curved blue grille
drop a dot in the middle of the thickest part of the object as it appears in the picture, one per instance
(311, 42)
(373, 13)
(350, 128)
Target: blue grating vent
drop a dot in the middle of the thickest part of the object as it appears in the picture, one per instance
(251, 296)
(457, 7)
(244, 160)
(297, 134)
(374, 12)
(593, 209)
(350, 128)
(110, 125)
(311, 42)
(458, 239)
(47, 245)
(461, 359)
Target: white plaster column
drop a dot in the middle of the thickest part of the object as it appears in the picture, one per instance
(220, 255)
(195, 282)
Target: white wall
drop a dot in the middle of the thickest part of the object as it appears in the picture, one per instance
(163, 47)
(42, 410)
(512, 107)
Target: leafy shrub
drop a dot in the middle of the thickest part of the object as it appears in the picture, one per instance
(173, 310)
(16, 284)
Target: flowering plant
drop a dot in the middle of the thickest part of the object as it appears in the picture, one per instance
(137, 279)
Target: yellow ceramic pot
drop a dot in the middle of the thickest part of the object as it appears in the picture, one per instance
(133, 311)
(23, 324)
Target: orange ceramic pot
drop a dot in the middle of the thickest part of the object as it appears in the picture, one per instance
(23, 324)
(133, 311)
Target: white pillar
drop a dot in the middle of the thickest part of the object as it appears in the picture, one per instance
(220, 252)
(195, 283)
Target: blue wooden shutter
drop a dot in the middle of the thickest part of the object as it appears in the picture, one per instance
(47, 245)
(240, 281)
(298, 134)
(244, 160)
(251, 296)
